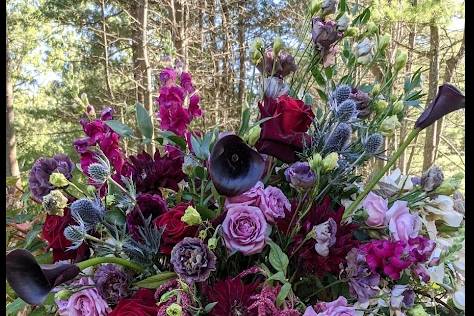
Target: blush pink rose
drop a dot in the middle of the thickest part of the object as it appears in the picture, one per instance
(376, 207)
(401, 223)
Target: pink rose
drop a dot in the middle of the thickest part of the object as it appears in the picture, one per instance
(401, 223)
(253, 197)
(276, 204)
(245, 229)
(376, 207)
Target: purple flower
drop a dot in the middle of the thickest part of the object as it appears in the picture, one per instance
(376, 207)
(401, 223)
(281, 67)
(86, 302)
(276, 204)
(192, 260)
(402, 296)
(362, 100)
(42, 169)
(363, 283)
(300, 175)
(112, 283)
(324, 34)
(448, 99)
(255, 196)
(338, 307)
(432, 178)
(245, 229)
(421, 248)
(168, 77)
(325, 236)
(150, 205)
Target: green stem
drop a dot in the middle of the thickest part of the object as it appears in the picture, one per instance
(326, 287)
(99, 260)
(380, 174)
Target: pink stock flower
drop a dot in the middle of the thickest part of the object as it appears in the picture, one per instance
(401, 223)
(376, 207)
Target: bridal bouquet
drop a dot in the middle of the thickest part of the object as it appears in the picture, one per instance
(272, 219)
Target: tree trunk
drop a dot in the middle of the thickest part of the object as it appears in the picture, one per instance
(241, 39)
(430, 140)
(106, 52)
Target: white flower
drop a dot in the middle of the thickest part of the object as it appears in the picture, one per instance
(459, 298)
(395, 182)
(442, 207)
(275, 87)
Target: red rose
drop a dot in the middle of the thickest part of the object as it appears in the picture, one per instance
(142, 303)
(175, 229)
(283, 135)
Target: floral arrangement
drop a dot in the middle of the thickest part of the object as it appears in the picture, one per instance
(274, 219)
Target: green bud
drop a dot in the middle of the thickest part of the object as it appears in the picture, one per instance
(397, 107)
(364, 60)
(372, 28)
(351, 32)
(384, 40)
(277, 45)
(400, 60)
(255, 57)
(314, 7)
(380, 106)
(90, 189)
(417, 310)
(212, 243)
(330, 162)
(253, 135)
(63, 295)
(58, 180)
(191, 216)
(389, 125)
(257, 44)
(393, 98)
(256, 49)
(315, 162)
(376, 89)
(202, 234)
(54, 201)
(450, 185)
(174, 310)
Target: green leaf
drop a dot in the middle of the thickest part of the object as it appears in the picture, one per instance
(361, 18)
(45, 258)
(175, 139)
(155, 281)
(308, 99)
(244, 122)
(318, 76)
(115, 217)
(329, 72)
(209, 307)
(40, 311)
(32, 234)
(144, 122)
(14, 307)
(279, 276)
(278, 259)
(284, 291)
(205, 212)
(322, 95)
(120, 128)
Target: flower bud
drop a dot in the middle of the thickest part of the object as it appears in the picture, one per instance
(397, 107)
(90, 189)
(384, 40)
(417, 310)
(389, 125)
(191, 216)
(174, 310)
(58, 180)
(400, 60)
(63, 295)
(371, 28)
(315, 162)
(255, 57)
(328, 7)
(364, 51)
(450, 185)
(432, 178)
(253, 135)
(90, 112)
(212, 243)
(380, 106)
(351, 32)
(330, 162)
(257, 44)
(343, 22)
(202, 234)
(314, 7)
(376, 89)
(54, 201)
(277, 45)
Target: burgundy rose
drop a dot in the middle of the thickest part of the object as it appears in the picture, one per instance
(175, 229)
(150, 205)
(284, 134)
(142, 303)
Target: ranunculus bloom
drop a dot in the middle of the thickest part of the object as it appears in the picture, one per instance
(300, 175)
(284, 134)
(245, 229)
(376, 207)
(175, 229)
(276, 204)
(401, 223)
(150, 205)
(338, 307)
(142, 303)
(86, 302)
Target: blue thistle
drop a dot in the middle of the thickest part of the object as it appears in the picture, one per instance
(342, 92)
(373, 144)
(98, 172)
(91, 212)
(338, 139)
(346, 110)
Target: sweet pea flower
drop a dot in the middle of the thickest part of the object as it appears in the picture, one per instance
(376, 208)
(442, 208)
(325, 236)
(402, 296)
(401, 223)
(395, 182)
(338, 307)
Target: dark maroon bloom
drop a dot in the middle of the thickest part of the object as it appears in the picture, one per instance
(233, 297)
(324, 33)
(151, 174)
(42, 169)
(448, 99)
(112, 283)
(284, 134)
(150, 205)
(234, 167)
(142, 303)
(284, 64)
(33, 282)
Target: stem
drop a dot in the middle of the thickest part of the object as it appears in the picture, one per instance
(380, 174)
(75, 187)
(99, 260)
(327, 286)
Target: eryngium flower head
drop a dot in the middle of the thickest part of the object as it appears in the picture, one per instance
(75, 234)
(448, 99)
(42, 169)
(338, 139)
(346, 111)
(192, 260)
(234, 167)
(432, 178)
(32, 282)
(91, 212)
(342, 93)
(373, 144)
(98, 172)
(112, 283)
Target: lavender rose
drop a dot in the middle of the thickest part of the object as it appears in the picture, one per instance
(401, 223)
(376, 208)
(300, 175)
(276, 204)
(255, 196)
(87, 302)
(245, 229)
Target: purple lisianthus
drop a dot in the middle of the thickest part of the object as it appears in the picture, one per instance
(401, 223)
(325, 236)
(300, 175)
(376, 207)
(324, 33)
(112, 283)
(42, 169)
(363, 283)
(150, 205)
(402, 296)
(338, 307)
(245, 229)
(86, 302)
(276, 204)
(281, 67)
(192, 260)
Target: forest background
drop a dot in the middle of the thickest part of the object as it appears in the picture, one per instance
(58, 51)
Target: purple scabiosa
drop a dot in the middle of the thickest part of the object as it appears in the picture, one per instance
(42, 169)
(300, 175)
(112, 283)
(192, 260)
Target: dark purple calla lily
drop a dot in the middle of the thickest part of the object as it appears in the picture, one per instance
(234, 167)
(448, 99)
(33, 282)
